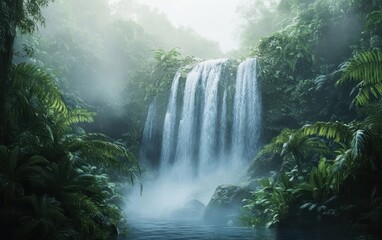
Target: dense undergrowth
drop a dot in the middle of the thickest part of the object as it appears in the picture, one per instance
(325, 67)
(56, 180)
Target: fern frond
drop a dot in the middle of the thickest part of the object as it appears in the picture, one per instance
(360, 143)
(97, 147)
(78, 116)
(337, 131)
(34, 81)
(373, 20)
(344, 162)
(80, 202)
(365, 68)
(367, 93)
(104, 153)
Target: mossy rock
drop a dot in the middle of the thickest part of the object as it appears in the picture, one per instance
(226, 203)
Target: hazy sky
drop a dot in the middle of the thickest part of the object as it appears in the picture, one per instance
(213, 19)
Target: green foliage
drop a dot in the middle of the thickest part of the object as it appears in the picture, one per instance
(78, 116)
(32, 87)
(337, 131)
(319, 193)
(50, 180)
(298, 74)
(312, 41)
(300, 147)
(358, 141)
(322, 184)
(43, 219)
(21, 14)
(270, 204)
(14, 171)
(82, 193)
(365, 69)
(163, 70)
(269, 157)
(273, 203)
(323, 190)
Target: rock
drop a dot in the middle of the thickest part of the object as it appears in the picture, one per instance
(226, 204)
(192, 209)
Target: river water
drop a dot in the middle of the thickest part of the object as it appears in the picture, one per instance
(158, 229)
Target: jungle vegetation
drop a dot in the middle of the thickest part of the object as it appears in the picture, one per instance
(57, 181)
(321, 162)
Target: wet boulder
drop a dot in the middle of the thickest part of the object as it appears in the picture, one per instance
(226, 203)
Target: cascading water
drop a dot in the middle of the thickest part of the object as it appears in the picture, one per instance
(197, 138)
(169, 133)
(246, 112)
(150, 134)
(211, 128)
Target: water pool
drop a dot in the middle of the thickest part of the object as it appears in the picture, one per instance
(169, 230)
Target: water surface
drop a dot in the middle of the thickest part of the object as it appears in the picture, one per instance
(165, 229)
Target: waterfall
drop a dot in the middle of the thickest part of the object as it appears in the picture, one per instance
(149, 150)
(197, 134)
(169, 130)
(209, 119)
(246, 111)
(223, 128)
(201, 138)
(211, 128)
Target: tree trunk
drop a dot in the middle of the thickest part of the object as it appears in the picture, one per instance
(6, 56)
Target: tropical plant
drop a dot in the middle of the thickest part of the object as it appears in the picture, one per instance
(269, 157)
(300, 147)
(366, 70)
(323, 185)
(358, 141)
(63, 185)
(270, 204)
(45, 218)
(84, 196)
(15, 171)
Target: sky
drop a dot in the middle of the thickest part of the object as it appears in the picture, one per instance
(212, 19)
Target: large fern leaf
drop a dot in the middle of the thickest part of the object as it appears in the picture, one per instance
(365, 68)
(31, 81)
(79, 116)
(337, 131)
